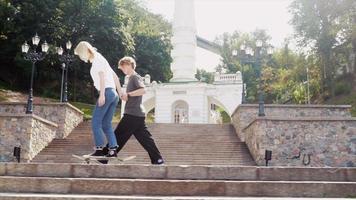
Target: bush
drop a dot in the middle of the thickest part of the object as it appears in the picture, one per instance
(342, 88)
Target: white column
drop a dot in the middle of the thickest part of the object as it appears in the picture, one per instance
(184, 42)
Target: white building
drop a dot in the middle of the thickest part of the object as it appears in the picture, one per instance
(184, 99)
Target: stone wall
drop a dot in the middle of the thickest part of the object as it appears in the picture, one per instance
(322, 141)
(246, 113)
(30, 132)
(64, 114)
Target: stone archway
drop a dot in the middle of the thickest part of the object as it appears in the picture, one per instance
(180, 112)
(149, 104)
(216, 117)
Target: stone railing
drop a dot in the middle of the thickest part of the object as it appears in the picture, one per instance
(227, 78)
(246, 113)
(66, 116)
(316, 142)
(30, 132)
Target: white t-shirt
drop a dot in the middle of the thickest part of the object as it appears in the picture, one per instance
(100, 64)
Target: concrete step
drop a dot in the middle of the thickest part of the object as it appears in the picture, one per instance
(159, 187)
(34, 196)
(181, 172)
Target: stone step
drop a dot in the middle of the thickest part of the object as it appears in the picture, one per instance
(180, 172)
(193, 144)
(35, 196)
(159, 187)
(147, 161)
(177, 136)
(154, 125)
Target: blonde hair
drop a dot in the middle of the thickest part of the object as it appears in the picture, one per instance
(128, 60)
(82, 49)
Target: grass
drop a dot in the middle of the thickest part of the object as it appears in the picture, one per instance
(2, 98)
(2, 95)
(4, 85)
(88, 111)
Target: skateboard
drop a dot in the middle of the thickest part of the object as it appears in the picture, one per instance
(96, 159)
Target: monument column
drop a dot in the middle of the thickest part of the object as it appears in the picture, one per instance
(184, 42)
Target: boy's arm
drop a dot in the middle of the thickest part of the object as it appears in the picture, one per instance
(138, 92)
(137, 81)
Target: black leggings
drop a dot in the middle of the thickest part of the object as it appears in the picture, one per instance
(129, 125)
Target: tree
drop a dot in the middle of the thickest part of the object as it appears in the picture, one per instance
(204, 76)
(115, 27)
(319, 25)
(152, 35)
(232, 64)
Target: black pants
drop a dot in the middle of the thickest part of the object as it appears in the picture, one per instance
(129, 125)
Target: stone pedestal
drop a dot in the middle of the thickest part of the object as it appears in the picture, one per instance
(31, 132)
(304, 141)
(66, 116)
(244, 114)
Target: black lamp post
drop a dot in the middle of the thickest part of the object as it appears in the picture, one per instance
(249, 56)
(33, 56)
(243, 100)
(65, 59)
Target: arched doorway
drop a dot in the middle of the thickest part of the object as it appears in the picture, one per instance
(180, 110)
(218, 112)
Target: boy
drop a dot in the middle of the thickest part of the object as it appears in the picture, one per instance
(133, 121)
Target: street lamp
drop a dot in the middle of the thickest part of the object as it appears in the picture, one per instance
(33, 56)
(243, 100)
(65, 59)
(308, 86)
(261, 104)
(253, 56)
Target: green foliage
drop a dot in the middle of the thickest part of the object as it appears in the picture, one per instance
(225, 117)
(115, 27)
(87, 109)
(240, 62)
(345, 100)
(204, 76)
(150, 118)
(328, 28)
(151, 34)
(342, 88)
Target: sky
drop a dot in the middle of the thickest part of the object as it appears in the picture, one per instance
(214, 17)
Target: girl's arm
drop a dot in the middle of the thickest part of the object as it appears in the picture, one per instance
(117, 83)
(101, 100)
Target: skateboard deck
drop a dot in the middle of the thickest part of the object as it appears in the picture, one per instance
(95, 159)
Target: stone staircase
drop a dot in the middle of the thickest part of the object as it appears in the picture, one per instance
(81, 181)
(202, 162)
(180, 144)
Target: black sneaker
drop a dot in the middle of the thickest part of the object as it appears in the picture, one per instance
(112, 152)
(106, 150)
(159, 162)
(98, 152)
